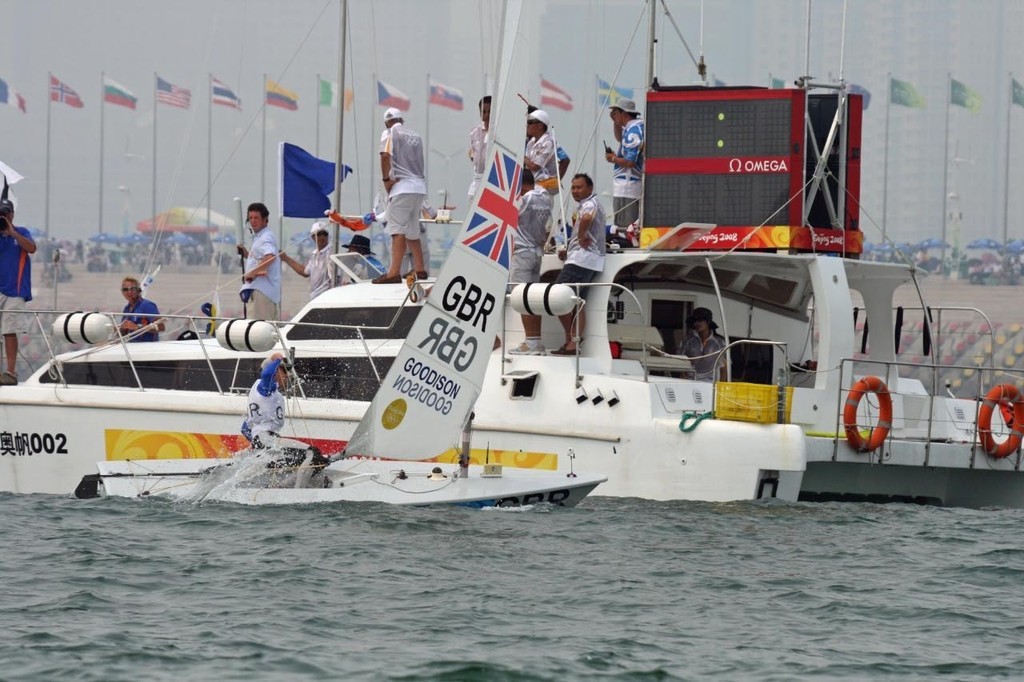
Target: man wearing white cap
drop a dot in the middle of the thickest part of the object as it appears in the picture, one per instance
(402, 167)
(628, 168)
(540, 151)
(319, 269)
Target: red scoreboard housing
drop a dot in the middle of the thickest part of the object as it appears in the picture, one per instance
(736, 157)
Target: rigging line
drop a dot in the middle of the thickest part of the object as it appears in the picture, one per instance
(679, 34)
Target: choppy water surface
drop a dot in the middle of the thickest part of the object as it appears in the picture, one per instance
(118, 590)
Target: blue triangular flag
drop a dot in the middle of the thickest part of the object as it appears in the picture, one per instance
(306, 182)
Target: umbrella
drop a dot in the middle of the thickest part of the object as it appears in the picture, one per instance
(104, 238)
(1015, 246)
(224, 239)
(179, 238)
(136, 238)
(933, 243)
(868, 247)
(984, 243)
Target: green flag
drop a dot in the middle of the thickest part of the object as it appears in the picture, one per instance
(778, 83)
(905, 94)
(963, 96)
(328, 93)
(1016, 92)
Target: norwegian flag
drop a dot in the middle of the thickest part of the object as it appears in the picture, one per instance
(492, 228)
(60, 92)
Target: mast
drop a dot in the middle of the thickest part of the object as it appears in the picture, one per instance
(102, 107)
(339, 168)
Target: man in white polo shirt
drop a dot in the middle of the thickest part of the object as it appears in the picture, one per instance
(402, 165)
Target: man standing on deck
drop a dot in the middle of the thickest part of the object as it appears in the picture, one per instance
(628, 168)
(261, 281)
(534, 210)
(319, 269)
(402, 168)
(478, 137)
(16, 246)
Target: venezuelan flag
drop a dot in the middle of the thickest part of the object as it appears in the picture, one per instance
(280, 97)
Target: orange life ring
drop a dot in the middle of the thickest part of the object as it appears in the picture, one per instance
(1001, 395)
(881, 430)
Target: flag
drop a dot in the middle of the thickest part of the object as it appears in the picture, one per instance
(855, 89)
(905, 94)
(553, 96)
(608, 95)
(115, 93)
(12, 176)
(390, 96)
(62, 93)
(492, 227)
(223, 95)
(306, 182)
(13, 99)
(172, 94)
(776, 83)
(963, 96)
(1016, 93)
(444, 96)
(280, 97)
(329, 95)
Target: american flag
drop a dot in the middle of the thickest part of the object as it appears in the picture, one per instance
(492, 228)
(172, 94)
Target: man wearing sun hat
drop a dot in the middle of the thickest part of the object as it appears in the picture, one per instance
(362, 266)
(704, 346)
(628, 160)
(402, 167)
(319, 269)
(540, 156)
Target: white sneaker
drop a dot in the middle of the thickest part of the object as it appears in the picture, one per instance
(526, 349)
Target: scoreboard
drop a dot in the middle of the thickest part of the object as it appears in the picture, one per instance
(735, 157)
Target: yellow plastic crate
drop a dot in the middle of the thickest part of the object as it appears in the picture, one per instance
(757, 403)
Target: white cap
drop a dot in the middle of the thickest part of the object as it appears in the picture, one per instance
(319, 227)
(391, 114)
(540, 115)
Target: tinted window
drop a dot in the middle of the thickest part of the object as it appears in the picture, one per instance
(355, 317)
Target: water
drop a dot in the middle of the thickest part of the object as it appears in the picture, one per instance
(116, 589)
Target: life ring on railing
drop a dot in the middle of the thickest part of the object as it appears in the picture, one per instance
(881, 430)
(999, 396)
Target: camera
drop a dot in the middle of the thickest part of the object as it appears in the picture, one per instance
(6, 211)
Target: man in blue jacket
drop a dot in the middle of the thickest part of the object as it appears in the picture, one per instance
(16, 246)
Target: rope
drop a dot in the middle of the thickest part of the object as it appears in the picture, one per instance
(690, 420)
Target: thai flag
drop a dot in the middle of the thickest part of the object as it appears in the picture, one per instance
(390, 96)
(444, 96)
(491, 230)
(59, 92)
(553, 96)
(223, 95)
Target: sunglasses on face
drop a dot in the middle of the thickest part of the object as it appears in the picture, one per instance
(322, 234)
(129, 288)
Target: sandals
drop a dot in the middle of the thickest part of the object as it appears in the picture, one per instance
(420, 274)
(384, 279)
(565, 350)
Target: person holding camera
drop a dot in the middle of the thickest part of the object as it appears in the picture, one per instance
(16, 246)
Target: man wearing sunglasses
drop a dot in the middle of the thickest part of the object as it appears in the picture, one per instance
(141, 316)
(318, 269)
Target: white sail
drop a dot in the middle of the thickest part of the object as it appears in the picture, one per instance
(427, 396)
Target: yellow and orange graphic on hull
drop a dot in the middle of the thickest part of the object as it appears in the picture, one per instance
(124, 444)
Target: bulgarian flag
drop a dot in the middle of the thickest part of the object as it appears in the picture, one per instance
(115, 93)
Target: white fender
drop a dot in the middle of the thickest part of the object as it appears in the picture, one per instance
(257, 336)
(82, 327)
(543, 299)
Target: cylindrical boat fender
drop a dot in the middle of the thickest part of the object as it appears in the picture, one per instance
(257, 336)
(543, 299)
(81, 327)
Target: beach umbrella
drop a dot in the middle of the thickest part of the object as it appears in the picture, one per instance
(1015, 246)
(136, 238)
(984, 243)
(932, 243)
(223, 239)
(179, 238)
(104, 238)
(868, 247)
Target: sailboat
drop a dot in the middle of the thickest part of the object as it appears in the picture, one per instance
(427, 397)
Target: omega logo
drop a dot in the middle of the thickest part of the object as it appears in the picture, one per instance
(758, 166)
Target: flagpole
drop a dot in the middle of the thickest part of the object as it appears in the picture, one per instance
(426, 137)
(102, 108)
(153, 225)
(945, 178)
(209, 145)
(339, 168)
(46, 201)
(373, 166)
(1006, 169)
(885, 160)
(316, 146)
(263, 145)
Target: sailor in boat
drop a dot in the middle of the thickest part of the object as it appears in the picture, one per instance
(627, 164)
(265, 417)
(478, 138)
(141, 316)
(402, 169)
(704, 346)
(361, 244)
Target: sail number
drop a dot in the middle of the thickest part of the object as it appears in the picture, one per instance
(452, 344)
(20, 444)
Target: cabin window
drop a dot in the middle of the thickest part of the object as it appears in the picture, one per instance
(524, 384)
(378, 317)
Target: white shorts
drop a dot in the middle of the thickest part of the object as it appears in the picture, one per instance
(525, 266)
(11, 322)
(404, 215)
